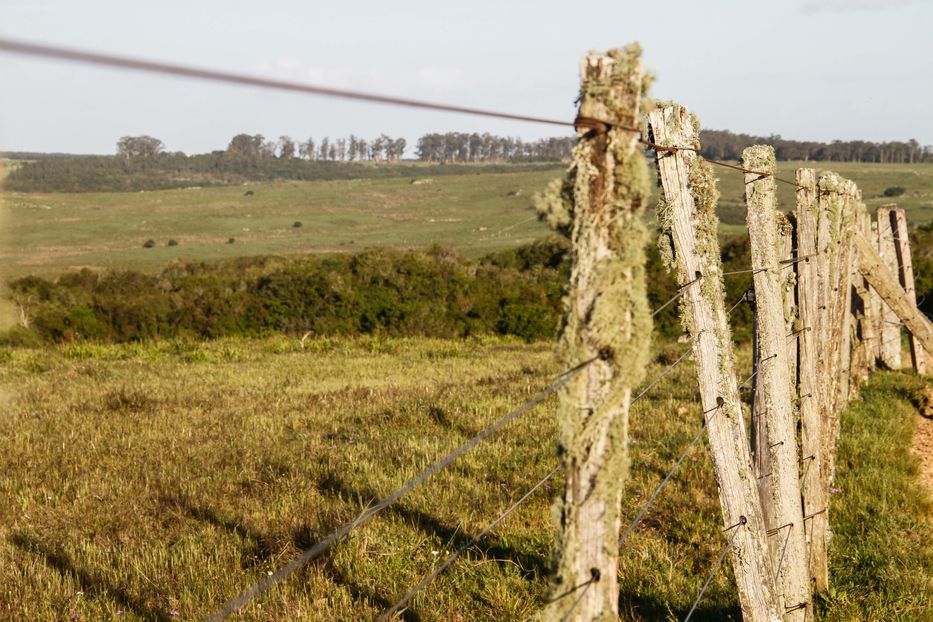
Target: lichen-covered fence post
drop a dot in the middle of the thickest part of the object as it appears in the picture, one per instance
(906, 274)
(781, 498)
(808, 282)
(600, 205)
(890, 326)
(689, 243)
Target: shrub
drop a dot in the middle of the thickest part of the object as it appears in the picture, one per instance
(296, 224)
(894, 191)
(150, 243)
(173, 242)
(231, 240)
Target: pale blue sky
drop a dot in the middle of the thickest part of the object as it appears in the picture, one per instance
(805, 69)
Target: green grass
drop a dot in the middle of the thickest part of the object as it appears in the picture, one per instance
(169, 476)
(51, 233)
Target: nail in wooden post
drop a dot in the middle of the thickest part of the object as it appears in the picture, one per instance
(906, 273)
(781, 502)
(890, 326)
(808, 282)
(607, 318)
(689, 245)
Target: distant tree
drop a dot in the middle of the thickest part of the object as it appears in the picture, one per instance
(361, 148)
(353, 148)
(341, 149)
(308, 149)
(246, 146)
(139, 146)
(324, 149)
(377, 146)
(286, 148)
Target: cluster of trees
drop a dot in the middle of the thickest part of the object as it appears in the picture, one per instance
(434, 293)
(461, 147)
(256, 147)
(726, 145)
(176, 170)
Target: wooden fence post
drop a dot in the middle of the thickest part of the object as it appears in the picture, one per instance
(877, 306)
(906, 273)
(781, 504)
(688, 239)
(890, 326)
(847, 268)
(808, 283)
(607, 319)
(885, 282)
(831, 191)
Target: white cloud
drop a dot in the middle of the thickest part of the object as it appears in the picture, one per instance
(812, 7)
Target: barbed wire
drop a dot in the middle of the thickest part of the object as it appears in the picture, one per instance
(117, 61)
(212, 75)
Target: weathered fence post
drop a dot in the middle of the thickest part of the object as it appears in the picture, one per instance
(811, 425)
(607, 319)
(906, 273)
(852, 199)
(781, 504)
(885, 282)
(831, 200)
(688, 239)
(890, 326)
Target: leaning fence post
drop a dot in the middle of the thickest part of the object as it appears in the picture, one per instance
(782, 502)
(688, 226)
(811, 424)
(885, 282)
(890, 326)
(606, 320)
(906, 273)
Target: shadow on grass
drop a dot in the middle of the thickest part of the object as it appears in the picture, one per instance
(651, 608)
(264, 548)
(531, 565)
(90, 582)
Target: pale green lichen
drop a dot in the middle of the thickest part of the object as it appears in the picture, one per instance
(554, 205)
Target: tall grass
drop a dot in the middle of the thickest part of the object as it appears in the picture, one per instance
(152, 478)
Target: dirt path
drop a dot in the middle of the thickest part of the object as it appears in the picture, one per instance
(923, 444)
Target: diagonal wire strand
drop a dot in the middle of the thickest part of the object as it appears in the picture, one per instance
(328, 541)
(452, 558)
(149, 66)
(722, 556)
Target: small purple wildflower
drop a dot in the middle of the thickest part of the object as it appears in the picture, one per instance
(547, 487)
(174, 613)
(119, 612)
(693, 459)
(833, 490)
(76, 616)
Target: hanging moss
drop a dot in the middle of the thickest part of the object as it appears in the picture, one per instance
(555, 204)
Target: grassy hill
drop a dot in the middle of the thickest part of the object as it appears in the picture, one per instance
(166, 477)
(48, 233)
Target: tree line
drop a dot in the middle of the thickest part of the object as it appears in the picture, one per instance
(726, 145)
(351, 149)
(475, 147)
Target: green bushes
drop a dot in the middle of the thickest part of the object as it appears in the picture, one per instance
(432, 293)
(894, 191)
